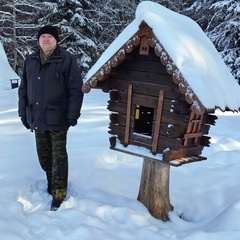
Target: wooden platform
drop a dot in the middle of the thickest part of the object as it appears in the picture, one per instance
(175, 163)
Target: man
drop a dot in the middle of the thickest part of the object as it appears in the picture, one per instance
(50, 101)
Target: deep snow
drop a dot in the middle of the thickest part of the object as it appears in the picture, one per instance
(103, 184)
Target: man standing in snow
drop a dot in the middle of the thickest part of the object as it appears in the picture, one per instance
(50, 101)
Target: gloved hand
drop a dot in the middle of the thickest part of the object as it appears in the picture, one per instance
(24, 122)
(71, 122)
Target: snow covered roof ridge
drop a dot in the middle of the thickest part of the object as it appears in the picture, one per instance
(185, 50)
(6, 71)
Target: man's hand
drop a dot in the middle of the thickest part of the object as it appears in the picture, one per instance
(24, 122)
(71, 122)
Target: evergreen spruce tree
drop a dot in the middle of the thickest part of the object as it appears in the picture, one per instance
(87, 28)
(224, 32)
(19, 22)
(77, 29)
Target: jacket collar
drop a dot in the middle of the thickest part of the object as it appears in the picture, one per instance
(57, 53)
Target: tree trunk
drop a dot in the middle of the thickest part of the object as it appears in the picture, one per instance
(14, 39)
(154, 188)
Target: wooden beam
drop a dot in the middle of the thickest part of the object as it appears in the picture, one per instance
(158, 122)
(128, 118)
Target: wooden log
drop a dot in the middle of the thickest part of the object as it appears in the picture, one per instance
(146, 141)
(152, 42)
(140, 76)
(113, 61)
(177, 76)
(182, 87)
(100, 75)
(182, 152)
(120, 119)
(164, 58)
(172, 143)
(146, 101)
(174, 118)
(167, 117)
(140, 63)
(135, 40)
(128, 48)
(112, 141)
(117, 107)
(175, 131)
(86, 88)
(94, 83)
(107, 69)
(128, 117)
(121, 55)
(113, 118)
(205, 141)
(154, 188)
(158, 122)
(205, 129)
(211, 119)
(180, 107)
(144, 88)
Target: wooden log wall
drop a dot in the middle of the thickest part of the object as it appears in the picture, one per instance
(148, 77)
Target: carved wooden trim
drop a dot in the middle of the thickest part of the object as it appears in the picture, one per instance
(144, 46)
(193, 128)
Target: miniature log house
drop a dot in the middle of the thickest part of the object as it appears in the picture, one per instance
(153, 107)
(148, 102)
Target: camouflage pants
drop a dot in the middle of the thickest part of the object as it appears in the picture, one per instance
(53, 158)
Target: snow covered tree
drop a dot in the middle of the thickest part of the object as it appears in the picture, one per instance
(200, 11)
(220, 21)
(77, 29)
(87, 28)
(113, 16)
(224, 31)
(72, 17)
(18, 26)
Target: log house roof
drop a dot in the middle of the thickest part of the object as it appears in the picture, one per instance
(134, 41)
(220, 97)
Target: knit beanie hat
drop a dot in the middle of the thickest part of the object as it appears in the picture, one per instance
(48, 30)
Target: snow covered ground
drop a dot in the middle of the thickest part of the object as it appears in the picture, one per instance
(103, 184)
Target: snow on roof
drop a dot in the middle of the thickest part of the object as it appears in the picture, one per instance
(6, 72)
(190, 49)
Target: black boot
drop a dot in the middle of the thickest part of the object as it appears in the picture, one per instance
(55, 204)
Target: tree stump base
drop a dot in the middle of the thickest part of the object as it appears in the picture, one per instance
(154, 188)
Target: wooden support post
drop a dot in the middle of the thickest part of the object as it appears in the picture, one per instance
(158, 122)
(128, 117)
(154, 188)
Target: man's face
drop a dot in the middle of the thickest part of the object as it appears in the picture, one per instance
(47, 42)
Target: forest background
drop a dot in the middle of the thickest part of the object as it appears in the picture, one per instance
(88, 27)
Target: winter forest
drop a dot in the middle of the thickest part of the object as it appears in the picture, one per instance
(88, 27)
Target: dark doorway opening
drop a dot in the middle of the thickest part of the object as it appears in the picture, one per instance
(143, 120)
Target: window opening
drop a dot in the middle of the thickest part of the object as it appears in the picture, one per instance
(143, 120)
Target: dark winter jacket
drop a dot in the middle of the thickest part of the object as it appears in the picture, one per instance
(50, 94)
